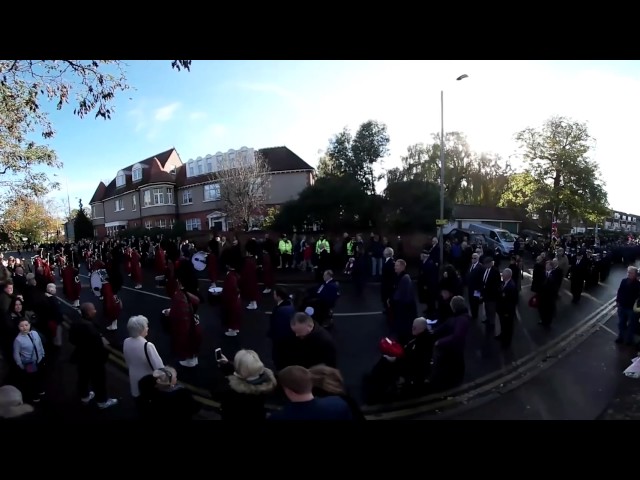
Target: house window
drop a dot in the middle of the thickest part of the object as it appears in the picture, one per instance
(147, 224)
(134, 200)
(187, 199)
(193, 224)
(162, 223)
(158, 196)
(170, 196)
(211, 192)
(191, 171)
(136, 174)
(209, 164)
(120, 180)
(119, 204)
(200, 167)
(147, 198)
(172, 222)
(93, 211)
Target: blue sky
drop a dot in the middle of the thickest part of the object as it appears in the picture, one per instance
(225, 104)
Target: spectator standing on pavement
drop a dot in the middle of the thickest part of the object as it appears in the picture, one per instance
(29, 355)
(628, 295)
(312, 346)
(248, 383)
(297, 383)
(12, 405)
(140, 355)
(90, 357)
(403, 303)
(506, 308)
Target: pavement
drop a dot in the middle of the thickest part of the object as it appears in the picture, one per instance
(359, 325)
(580, 386)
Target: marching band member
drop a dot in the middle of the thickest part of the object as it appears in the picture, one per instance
(185, 331)
(159, 260)
(136, 269)
(71, 284)
(112, 306)
(268, 275)
(230, 303)
(171, 284)
(249, 281)
(127, 261)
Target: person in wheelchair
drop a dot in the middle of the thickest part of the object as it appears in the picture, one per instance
(402, 371)
(323, 299)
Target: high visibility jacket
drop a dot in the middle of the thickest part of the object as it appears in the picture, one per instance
(350, 247)
(285, 247)
(322, 245)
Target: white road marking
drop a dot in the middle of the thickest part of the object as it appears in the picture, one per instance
(609, 330)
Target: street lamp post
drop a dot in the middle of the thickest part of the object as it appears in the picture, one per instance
(441, 229)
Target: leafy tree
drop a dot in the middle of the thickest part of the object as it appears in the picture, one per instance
(82, 225)
(335, 203)
(562, 176)
(24, 84)
(356, 155)
(327, 167)
(469, 178)
(413, 205)
(523, 190)
(29, 217)
(244, 188)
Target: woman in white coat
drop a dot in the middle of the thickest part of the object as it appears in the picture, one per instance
(141, 356)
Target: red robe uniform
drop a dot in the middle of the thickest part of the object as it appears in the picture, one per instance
(159, 261)
(212, 267)
(48, 274)
(71, 285)
(97, 264)
(268, 276)
(170, 275)
(112, 305)
(231, 305)
(136, 268)
(127, 262)
(186, 336)
(249, 279)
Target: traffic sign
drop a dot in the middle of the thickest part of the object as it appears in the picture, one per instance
(442, 222)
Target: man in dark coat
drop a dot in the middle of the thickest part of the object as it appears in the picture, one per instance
(579, 269)
(506, 308)
(474, 284)
(313, 345)
(90, 357)
(388, 277)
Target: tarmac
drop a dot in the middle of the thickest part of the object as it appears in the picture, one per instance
(579, 386)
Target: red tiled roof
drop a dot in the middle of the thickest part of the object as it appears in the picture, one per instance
(152, 172)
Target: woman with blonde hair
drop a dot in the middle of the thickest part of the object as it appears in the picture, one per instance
(328, 382)
(248, 385)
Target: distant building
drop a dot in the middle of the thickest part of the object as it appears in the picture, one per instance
(622, 222)
(69, 231)
(161, 189)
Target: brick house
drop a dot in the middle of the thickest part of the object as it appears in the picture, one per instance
(161, 189)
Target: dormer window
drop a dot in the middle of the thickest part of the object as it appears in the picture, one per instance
(136, 173)
(120, 179)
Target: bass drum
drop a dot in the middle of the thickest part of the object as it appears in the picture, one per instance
(97, 279)
(199, 261)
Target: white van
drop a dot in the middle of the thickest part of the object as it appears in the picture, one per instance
(499, 240)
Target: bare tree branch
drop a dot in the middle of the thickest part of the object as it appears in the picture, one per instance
(244, 181)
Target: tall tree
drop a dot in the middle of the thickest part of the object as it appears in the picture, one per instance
(564, 178)
(82, 225)
(24, 84)
(356, 155)
(469, 178)
(244, 188)
(327, 167)
(413, 205)
(29, 217)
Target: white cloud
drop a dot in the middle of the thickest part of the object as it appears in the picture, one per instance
(197, 116)
(166, 113)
